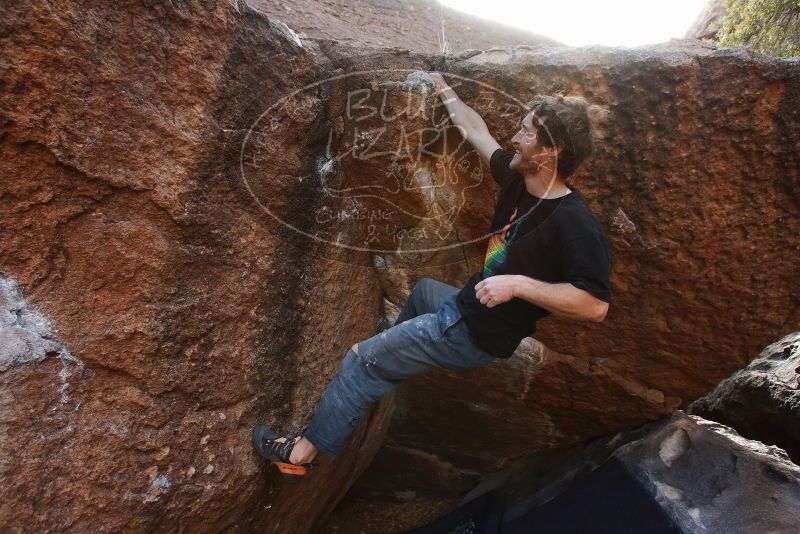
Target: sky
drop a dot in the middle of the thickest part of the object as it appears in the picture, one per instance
(579, 23)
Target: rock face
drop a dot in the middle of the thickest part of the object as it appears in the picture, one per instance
(188, 313)
(206, 211)
(704, 26)
(703, 476)
(417, 25)
(701, 472)
(761, 401)
(690, 237)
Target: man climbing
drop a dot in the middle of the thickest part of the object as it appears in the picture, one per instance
(547, 254)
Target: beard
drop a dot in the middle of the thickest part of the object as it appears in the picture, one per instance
(519, 165)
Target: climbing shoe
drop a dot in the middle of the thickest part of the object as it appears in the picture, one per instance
(278, 450)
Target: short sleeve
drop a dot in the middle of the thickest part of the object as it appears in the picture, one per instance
(498, 164)
(586, 264)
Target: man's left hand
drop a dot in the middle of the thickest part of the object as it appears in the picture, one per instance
(496, 289)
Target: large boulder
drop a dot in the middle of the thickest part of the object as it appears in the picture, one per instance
(708, 21)
(179, 312)
(681, 474)
(205, 211)
(695, 181)
(418, 25)
(761, 401)
(702, 474)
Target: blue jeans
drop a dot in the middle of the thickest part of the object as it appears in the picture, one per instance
(428, 333)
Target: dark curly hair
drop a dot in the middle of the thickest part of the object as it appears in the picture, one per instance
(565, 118)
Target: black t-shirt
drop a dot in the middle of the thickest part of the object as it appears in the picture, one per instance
(553, 240)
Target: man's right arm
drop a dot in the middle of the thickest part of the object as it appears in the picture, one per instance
(466, 119)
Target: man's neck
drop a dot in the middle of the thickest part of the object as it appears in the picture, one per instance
(544, 184)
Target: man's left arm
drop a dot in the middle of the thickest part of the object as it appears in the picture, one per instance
(585, 267)
(562, 298)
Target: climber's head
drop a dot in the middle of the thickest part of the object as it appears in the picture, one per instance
(557, 130)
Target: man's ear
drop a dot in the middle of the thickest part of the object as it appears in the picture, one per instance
(556, 151)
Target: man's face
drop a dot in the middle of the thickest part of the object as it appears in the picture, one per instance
(530, 153)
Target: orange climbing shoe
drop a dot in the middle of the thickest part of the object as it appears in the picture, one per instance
(278, 451)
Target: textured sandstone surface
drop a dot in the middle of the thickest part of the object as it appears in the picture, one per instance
(205, 210)
(129, 230)
(696, 183)
(761, 401)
